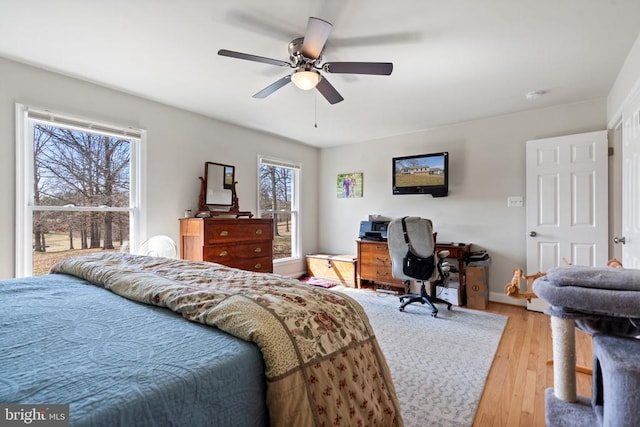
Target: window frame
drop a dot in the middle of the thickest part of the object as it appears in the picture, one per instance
(26, 118)
(296, 217)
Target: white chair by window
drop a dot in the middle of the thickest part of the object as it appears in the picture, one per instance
(159, 246)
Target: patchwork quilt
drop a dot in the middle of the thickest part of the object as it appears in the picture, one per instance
(323, 364)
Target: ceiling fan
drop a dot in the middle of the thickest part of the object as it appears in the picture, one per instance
(305, 57)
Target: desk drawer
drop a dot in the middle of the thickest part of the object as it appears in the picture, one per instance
(374, 264)
(375, 248)
(368, 271)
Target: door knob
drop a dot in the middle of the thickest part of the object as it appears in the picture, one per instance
(533, 234)
(617, 240)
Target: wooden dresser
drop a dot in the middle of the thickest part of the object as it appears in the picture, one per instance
(245, 243)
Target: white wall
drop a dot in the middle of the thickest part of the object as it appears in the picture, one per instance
(627, 83)
(626, 86)
(487, 164)
(178, 144)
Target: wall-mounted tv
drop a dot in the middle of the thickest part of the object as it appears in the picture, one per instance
(421, 174)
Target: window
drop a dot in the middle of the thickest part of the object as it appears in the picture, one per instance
(78, 189)
(278, 183)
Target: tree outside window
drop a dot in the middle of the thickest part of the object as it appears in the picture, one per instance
(278, 182)
(78, 185)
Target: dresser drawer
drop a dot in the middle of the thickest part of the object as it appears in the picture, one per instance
(221, 232)
(262, 265)
(235, 251)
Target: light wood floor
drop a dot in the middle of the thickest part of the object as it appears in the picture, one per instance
(514, 393)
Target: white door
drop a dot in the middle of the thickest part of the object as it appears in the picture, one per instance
(567, 203)
(631, 186)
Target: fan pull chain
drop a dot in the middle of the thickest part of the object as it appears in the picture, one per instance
(315, 108)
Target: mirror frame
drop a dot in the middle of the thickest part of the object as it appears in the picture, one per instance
(227, 182)
(211, 209)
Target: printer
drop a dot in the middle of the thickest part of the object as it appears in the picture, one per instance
(373, 230)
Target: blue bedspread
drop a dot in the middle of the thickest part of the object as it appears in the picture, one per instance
(118, 362)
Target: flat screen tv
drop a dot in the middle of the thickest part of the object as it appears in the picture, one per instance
(421, 174)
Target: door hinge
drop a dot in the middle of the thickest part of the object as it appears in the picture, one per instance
(610, 151)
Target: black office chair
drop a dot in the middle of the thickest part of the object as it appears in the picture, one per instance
(415, 234)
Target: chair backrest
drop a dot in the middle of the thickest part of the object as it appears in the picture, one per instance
(420, 231)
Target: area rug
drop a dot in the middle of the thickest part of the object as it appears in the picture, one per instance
(439, 365)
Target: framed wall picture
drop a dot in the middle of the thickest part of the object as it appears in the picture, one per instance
(349, 185)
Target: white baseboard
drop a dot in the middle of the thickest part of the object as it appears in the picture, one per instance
(505, 299)
(295, 275)
(293, 268)
(493, 296)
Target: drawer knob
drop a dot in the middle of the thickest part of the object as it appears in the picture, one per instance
(257, 250)
(224, 233)
(257, 266)
(224, 253)
(259, 231)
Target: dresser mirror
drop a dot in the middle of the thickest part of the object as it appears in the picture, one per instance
(219, 181)
(218, 191)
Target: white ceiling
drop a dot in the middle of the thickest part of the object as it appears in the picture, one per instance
(454, 60)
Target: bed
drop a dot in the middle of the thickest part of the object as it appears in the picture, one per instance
(127, 339)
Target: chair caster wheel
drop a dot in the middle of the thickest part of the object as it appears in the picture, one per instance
(449, 307)
(401, 309)
(434, 314)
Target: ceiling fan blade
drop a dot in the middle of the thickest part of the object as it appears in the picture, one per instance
(315, 37)
(256, 58)
(377, 68)
(258, 22)
(328, 91)
(273, 87)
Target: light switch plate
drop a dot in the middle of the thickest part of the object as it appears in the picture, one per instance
(515, 201)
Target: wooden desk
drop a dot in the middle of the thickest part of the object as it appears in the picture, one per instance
(459, 252)
(374, 266)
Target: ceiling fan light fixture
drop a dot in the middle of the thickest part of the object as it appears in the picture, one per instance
(305, 79)
(305, 59)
